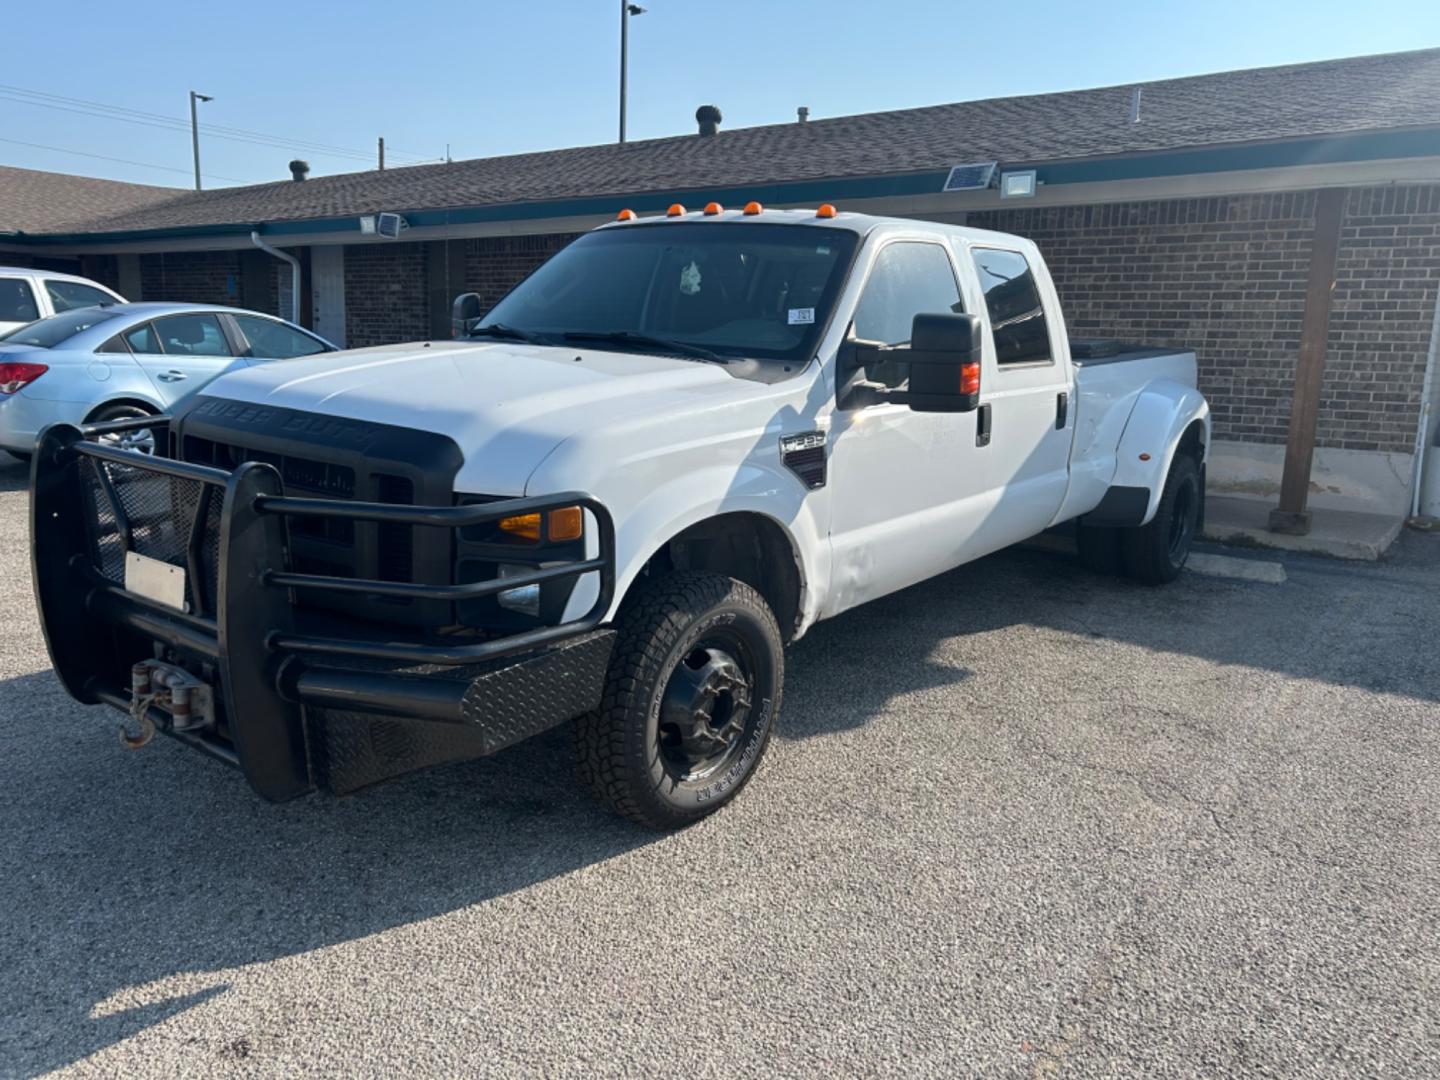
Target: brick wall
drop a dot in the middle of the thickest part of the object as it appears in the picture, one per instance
(1226, 277)
(493, 264)
(385, 294)
(196, 277)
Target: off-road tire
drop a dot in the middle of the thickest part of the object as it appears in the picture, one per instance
(619, 744)
(1154, 554)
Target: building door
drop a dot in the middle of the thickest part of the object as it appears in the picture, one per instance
(327, 292)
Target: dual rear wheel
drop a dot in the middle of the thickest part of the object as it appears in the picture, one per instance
(1155, 553)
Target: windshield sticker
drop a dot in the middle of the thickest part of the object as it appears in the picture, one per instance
(801, 316)
(690, 279)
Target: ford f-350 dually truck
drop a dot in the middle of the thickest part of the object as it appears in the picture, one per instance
(612, 500)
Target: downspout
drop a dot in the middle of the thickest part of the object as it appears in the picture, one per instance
(1422, 436)
(294, 274)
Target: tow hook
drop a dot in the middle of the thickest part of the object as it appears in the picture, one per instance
(190, 702)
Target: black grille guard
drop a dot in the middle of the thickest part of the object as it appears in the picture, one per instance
(241, 618)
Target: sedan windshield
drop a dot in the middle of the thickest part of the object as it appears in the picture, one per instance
(47, 333)
(697, 289)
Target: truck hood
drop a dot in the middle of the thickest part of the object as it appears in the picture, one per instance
(506, 405)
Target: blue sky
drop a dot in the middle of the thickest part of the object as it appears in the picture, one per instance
(491, 77)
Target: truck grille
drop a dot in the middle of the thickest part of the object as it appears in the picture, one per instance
(160, 512)
(331, 547)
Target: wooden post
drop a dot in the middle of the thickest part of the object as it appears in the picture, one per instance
(1292, 517)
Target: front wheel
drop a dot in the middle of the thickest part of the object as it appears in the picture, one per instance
(1155, 553)
(691, 697)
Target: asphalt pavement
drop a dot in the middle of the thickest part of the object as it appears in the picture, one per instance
(1020, 821)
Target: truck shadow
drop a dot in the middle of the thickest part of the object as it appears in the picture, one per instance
(137, 883)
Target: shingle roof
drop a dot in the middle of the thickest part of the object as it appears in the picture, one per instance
(35, 202)
(1390, 91)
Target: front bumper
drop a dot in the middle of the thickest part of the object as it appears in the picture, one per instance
(304, 699)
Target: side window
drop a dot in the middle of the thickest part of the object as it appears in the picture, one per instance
(115, 345)
(142, 339)
(17, 301)
(1017, 317)
(271, 340)
(192, 335)
(909, 278)
(68, 295)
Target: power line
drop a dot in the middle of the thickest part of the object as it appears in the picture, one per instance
(84, 107)
(122, 161)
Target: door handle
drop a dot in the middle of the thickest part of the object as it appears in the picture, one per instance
(172, 376)
(1062, 410)
(982, 426)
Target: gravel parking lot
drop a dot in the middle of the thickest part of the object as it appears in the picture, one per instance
(1022, 820)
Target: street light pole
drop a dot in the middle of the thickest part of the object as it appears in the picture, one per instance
(195, 132)
(626, 10)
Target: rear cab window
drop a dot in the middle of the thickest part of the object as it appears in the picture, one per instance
(1012, 299)
(17, 300)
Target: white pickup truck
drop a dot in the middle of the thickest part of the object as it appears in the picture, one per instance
(613, 499)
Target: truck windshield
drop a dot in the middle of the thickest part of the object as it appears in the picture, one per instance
(731, 289)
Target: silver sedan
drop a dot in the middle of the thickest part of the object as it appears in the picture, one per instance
(121, 361)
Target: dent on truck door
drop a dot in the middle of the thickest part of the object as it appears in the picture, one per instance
(1031, 424)
(907, 488)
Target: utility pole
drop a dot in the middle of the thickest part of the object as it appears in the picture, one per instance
(382, 153)
(626, 10)
(195, 132)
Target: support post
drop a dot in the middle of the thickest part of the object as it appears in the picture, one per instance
(1292, 517)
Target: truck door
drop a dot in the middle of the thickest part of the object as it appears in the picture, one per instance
(1027, 403)
(907, 489)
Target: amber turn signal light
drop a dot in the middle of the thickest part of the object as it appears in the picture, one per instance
(970, 378)
(525, 526)
(675, 210)
(753, 207)
(567, 523)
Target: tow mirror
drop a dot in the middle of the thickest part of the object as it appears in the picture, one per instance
(944, 358)
(465, 312)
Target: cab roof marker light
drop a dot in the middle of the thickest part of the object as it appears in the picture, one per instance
(752, 208)
(825, 211)
(676, 210)
(713, 208)
(625, 215)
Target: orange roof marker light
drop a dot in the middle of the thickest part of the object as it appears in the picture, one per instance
(625, 215)
(753, 208)
(825, 211)
(676, 210)
(713, 208)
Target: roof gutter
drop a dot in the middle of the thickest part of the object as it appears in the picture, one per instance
(294, 273)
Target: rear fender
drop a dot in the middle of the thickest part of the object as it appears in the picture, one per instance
(1163, 412)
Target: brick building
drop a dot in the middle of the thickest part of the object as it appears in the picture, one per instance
(1174, 212)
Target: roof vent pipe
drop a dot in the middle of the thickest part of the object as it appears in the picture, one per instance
(708, 117)
(299, 170)
(294, 274)
(803, 113)
(1135, 105)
